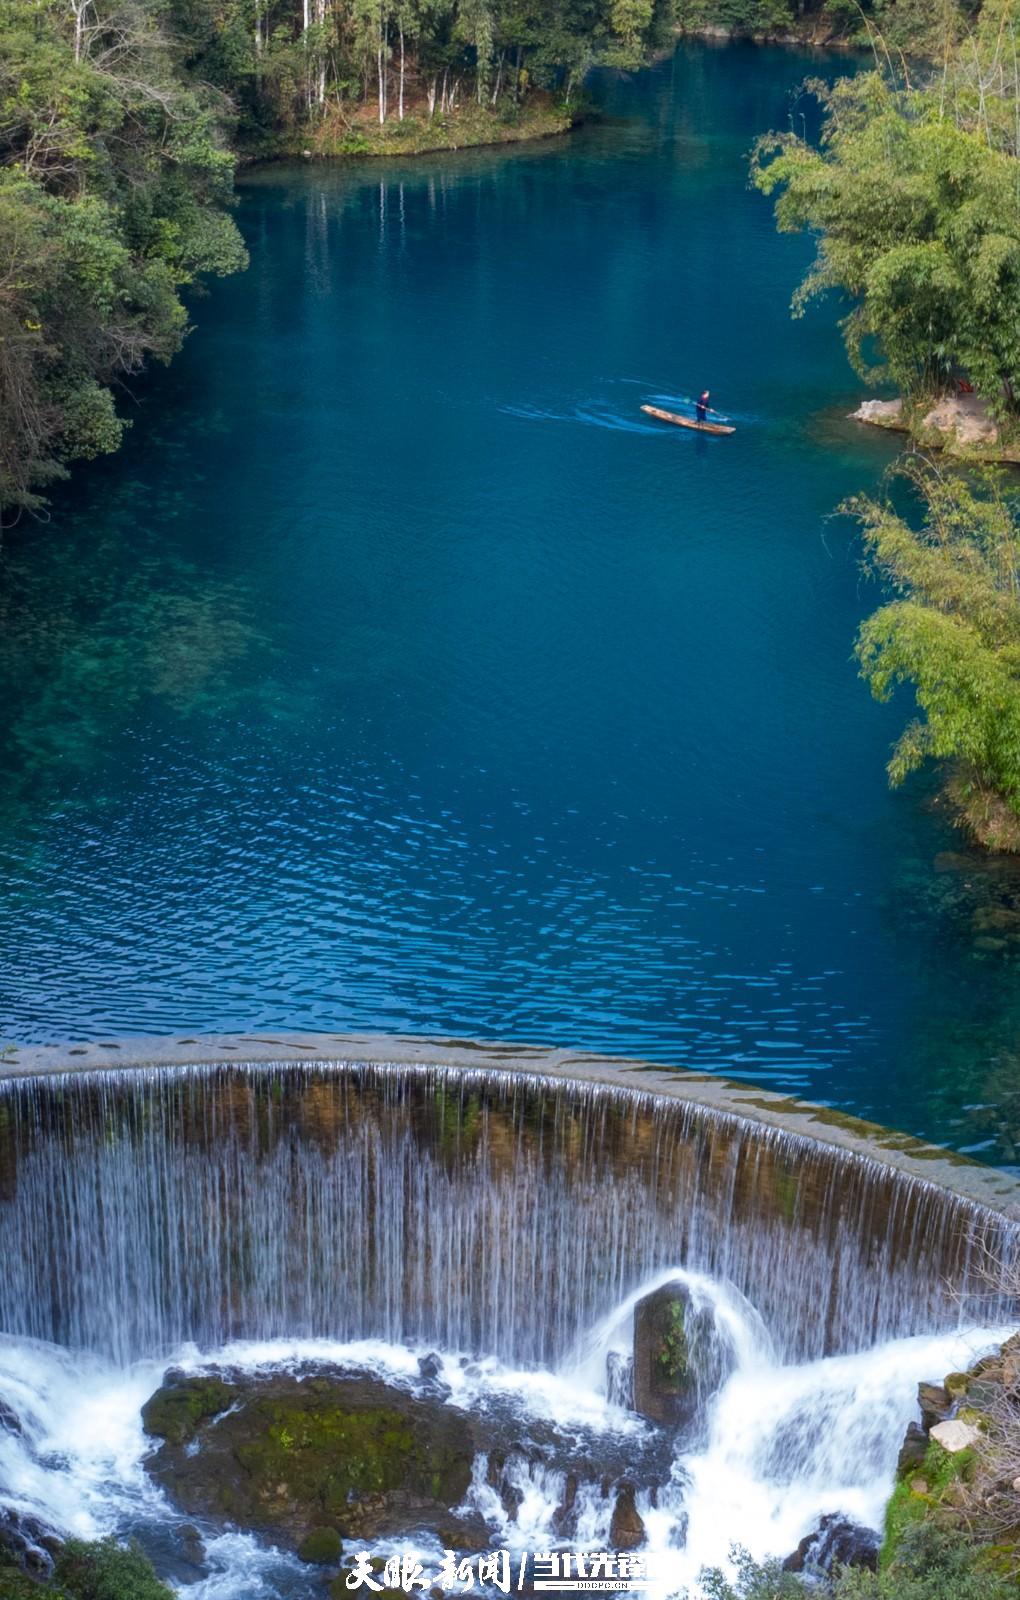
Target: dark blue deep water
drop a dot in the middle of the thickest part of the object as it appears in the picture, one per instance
(396, 676)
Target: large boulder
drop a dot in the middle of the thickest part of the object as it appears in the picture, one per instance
(295, 1454)
(682, 1356)
(665, 1383)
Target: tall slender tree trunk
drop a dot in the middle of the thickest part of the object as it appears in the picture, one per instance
(381, 61)
(79, 27)
(400, 98)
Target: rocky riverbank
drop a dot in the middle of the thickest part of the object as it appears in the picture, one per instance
(959, 1467)
(961, 425)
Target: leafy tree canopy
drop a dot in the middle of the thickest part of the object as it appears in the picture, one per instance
(952, 629)
(918, 225)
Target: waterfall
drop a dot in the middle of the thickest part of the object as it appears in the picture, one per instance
(495, 1213)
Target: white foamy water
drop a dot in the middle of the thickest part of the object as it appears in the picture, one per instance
(781, 1445)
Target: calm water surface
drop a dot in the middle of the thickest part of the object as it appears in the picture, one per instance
(397, 676)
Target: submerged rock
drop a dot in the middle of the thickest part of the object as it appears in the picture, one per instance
(307, 1456)
(28, 1542)
(313, 1457)
(10, 1422)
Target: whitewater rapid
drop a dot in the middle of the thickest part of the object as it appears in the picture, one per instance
(782, 1444)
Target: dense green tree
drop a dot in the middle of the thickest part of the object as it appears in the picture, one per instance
(918, 224)
(114, 180)
(951, 631)
(931, 1565)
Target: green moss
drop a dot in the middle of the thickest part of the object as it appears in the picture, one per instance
(175, 1411)
(323, 1547)
(911, 1504)
(325, 1456)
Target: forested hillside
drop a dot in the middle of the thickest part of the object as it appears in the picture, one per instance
(114, 178)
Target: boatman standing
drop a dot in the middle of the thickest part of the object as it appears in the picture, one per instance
(701, 405)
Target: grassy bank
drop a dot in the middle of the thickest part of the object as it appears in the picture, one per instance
(467, 125)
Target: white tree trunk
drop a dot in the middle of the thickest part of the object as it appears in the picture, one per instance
(320, 77)
(400, 106)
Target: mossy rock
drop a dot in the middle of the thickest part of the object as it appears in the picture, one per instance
(664, 1382)
(324, 1451)
(923, 1495)
(322, 1547)
(175, 1411)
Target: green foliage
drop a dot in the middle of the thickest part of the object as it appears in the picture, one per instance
(917, 26)
(952, 630)
(918, 225)
(673, 1354)
(932, 1565)
(84, 1570)
(755, 17)
(917, 1492)
(107, 1570)
(114, 178)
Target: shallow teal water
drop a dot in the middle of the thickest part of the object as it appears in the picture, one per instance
(397, 675)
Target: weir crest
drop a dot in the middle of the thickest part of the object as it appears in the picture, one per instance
(489, 1211)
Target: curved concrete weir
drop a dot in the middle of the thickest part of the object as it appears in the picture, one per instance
(481, 1197)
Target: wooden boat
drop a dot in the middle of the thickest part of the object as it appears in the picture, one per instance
(688, 422)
